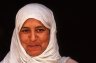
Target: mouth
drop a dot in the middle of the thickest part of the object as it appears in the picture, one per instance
(34, 47)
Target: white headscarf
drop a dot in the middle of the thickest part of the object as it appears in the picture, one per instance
(17, 54)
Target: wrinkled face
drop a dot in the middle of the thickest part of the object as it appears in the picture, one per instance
(34, 37)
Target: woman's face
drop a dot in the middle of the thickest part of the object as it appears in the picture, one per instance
(34, 37)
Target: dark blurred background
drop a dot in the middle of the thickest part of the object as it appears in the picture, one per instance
(75, 26)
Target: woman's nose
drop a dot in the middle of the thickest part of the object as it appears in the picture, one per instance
(33, 36)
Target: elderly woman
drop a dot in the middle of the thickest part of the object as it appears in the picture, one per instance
(34, 37)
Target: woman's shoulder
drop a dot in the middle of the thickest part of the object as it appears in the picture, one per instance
(67, 60)
(70, 60)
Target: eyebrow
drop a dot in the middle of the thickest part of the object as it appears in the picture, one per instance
(40, 27)
(25, 28)
(36, 27)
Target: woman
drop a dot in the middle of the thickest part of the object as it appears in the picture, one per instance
(34, 37)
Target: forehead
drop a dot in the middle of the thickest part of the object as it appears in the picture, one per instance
(32, 22)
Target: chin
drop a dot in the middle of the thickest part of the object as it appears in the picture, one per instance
(34, 53)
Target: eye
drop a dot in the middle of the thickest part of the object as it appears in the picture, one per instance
(40, 30)
(25, 30)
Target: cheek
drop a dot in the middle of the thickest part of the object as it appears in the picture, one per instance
(23, 38)
(44, 39)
